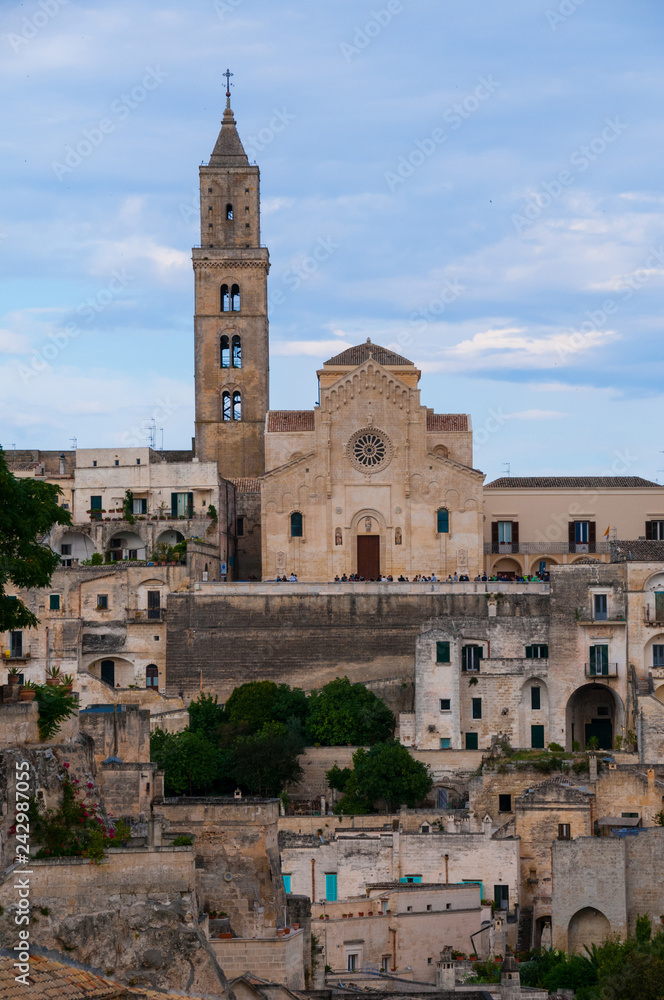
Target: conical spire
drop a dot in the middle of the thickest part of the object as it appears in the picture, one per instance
(228, 150)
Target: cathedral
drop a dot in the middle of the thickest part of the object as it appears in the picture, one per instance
(371, 482)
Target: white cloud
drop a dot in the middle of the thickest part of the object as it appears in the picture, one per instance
(535, 415)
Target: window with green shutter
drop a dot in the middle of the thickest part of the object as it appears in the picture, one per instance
(472, 741)
(54, 602)
(537, 651)
(442, 652)
(599, 660)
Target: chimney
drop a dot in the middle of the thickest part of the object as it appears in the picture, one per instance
(592, 766)
(445, 970)
(63, 465)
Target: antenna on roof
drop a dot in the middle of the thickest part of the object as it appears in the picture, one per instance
(508, 469)
(74, 443)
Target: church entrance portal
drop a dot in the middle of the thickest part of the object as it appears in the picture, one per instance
(368, 556)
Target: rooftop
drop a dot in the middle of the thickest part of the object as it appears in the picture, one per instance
(285, 421)
(362, 352)
(572, 483)
(638, 550)
(447, 422)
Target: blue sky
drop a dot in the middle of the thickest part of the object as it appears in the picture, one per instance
(485, 179)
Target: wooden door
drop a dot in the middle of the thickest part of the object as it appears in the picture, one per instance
(368, 556)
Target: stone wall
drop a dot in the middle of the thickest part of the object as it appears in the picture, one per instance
(18, 723)
(306, 636)
(277, 959)
(123, 733)
(135, 916)
(580, 883)
(238, 869)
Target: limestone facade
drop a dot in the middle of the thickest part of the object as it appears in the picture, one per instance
(370, 482)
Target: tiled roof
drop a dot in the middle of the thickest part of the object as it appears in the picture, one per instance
(638, 550)
(280, 421)
(51, 980)
(358, 355)
(247, 485)
(447, 422)
(572, 483)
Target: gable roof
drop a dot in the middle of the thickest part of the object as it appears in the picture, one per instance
(362, 352)
(285, 421)
(572, 483)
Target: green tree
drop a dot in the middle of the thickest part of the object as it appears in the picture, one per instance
(192, 764)
(256, 703)
(267, 761)
(28, 511)
(384, 774)
(205, 716)
(345, 714)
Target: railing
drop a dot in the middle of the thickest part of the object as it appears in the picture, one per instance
(546, 548)
(146, 614)
(609, 670)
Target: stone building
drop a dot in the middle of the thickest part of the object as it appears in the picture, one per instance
(371, 482)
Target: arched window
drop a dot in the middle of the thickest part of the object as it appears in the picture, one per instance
(442, 521)
(152, 676)
(237, 352)
(225, 353)
(225, 302)
(296, 524)
(229, 212)
(237, 406)
(225, 406)
(235, 298)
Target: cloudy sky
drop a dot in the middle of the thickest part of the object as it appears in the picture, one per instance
(481, 181)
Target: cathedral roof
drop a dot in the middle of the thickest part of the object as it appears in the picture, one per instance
(228, 150)
(358, 355)
(447, 422)
(279, 421)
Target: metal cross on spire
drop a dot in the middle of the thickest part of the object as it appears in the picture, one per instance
(228, 76)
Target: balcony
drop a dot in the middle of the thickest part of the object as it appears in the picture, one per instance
(17, 657)
(146, 615)
(601, 673)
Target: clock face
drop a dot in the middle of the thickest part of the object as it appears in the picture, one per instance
(369, 450)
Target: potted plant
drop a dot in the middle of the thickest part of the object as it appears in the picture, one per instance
(12, 675)
(67, 682)
(27, 691)
(53, 676)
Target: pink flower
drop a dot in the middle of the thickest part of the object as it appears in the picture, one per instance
(76, 781)
(65, 764)
(90, 784)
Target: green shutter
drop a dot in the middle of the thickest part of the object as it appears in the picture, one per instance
(442, 652)
(537, 737)
(190, 504)
(545, 652)
(443, 521)
(529, 652)
(471, 741)
(54, 602)
(174, 505)
(331, 888)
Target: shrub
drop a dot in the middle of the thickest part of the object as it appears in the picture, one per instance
(182, 841)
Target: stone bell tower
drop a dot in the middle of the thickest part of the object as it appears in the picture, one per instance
(230, 324)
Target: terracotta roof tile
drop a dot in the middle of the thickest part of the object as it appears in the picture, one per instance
(639, 550)
(281, 421)
(447, 422)
(571, 483)
(247, 485)
(358, 355)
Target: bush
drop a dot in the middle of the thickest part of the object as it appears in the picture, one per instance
(556, 747)
(182, 841)
(55, 705)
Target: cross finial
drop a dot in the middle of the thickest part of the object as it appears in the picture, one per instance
(228, 76)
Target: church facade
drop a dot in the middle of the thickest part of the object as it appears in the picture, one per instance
(370, 482)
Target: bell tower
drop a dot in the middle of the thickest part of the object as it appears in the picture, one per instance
(230, 323)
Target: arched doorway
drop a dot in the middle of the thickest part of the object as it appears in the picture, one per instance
(152, 676)
(542, 938)
(587, 926)
(508, 568)
(107, 668)
(593, 710)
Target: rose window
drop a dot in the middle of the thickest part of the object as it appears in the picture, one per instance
(369, 450)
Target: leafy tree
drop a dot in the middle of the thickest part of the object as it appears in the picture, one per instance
(348, 714)
(386, 773)
(338, 777)
(205, 716)
(28, 511)
(256, 703)
(192, 764)
(267, 761)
